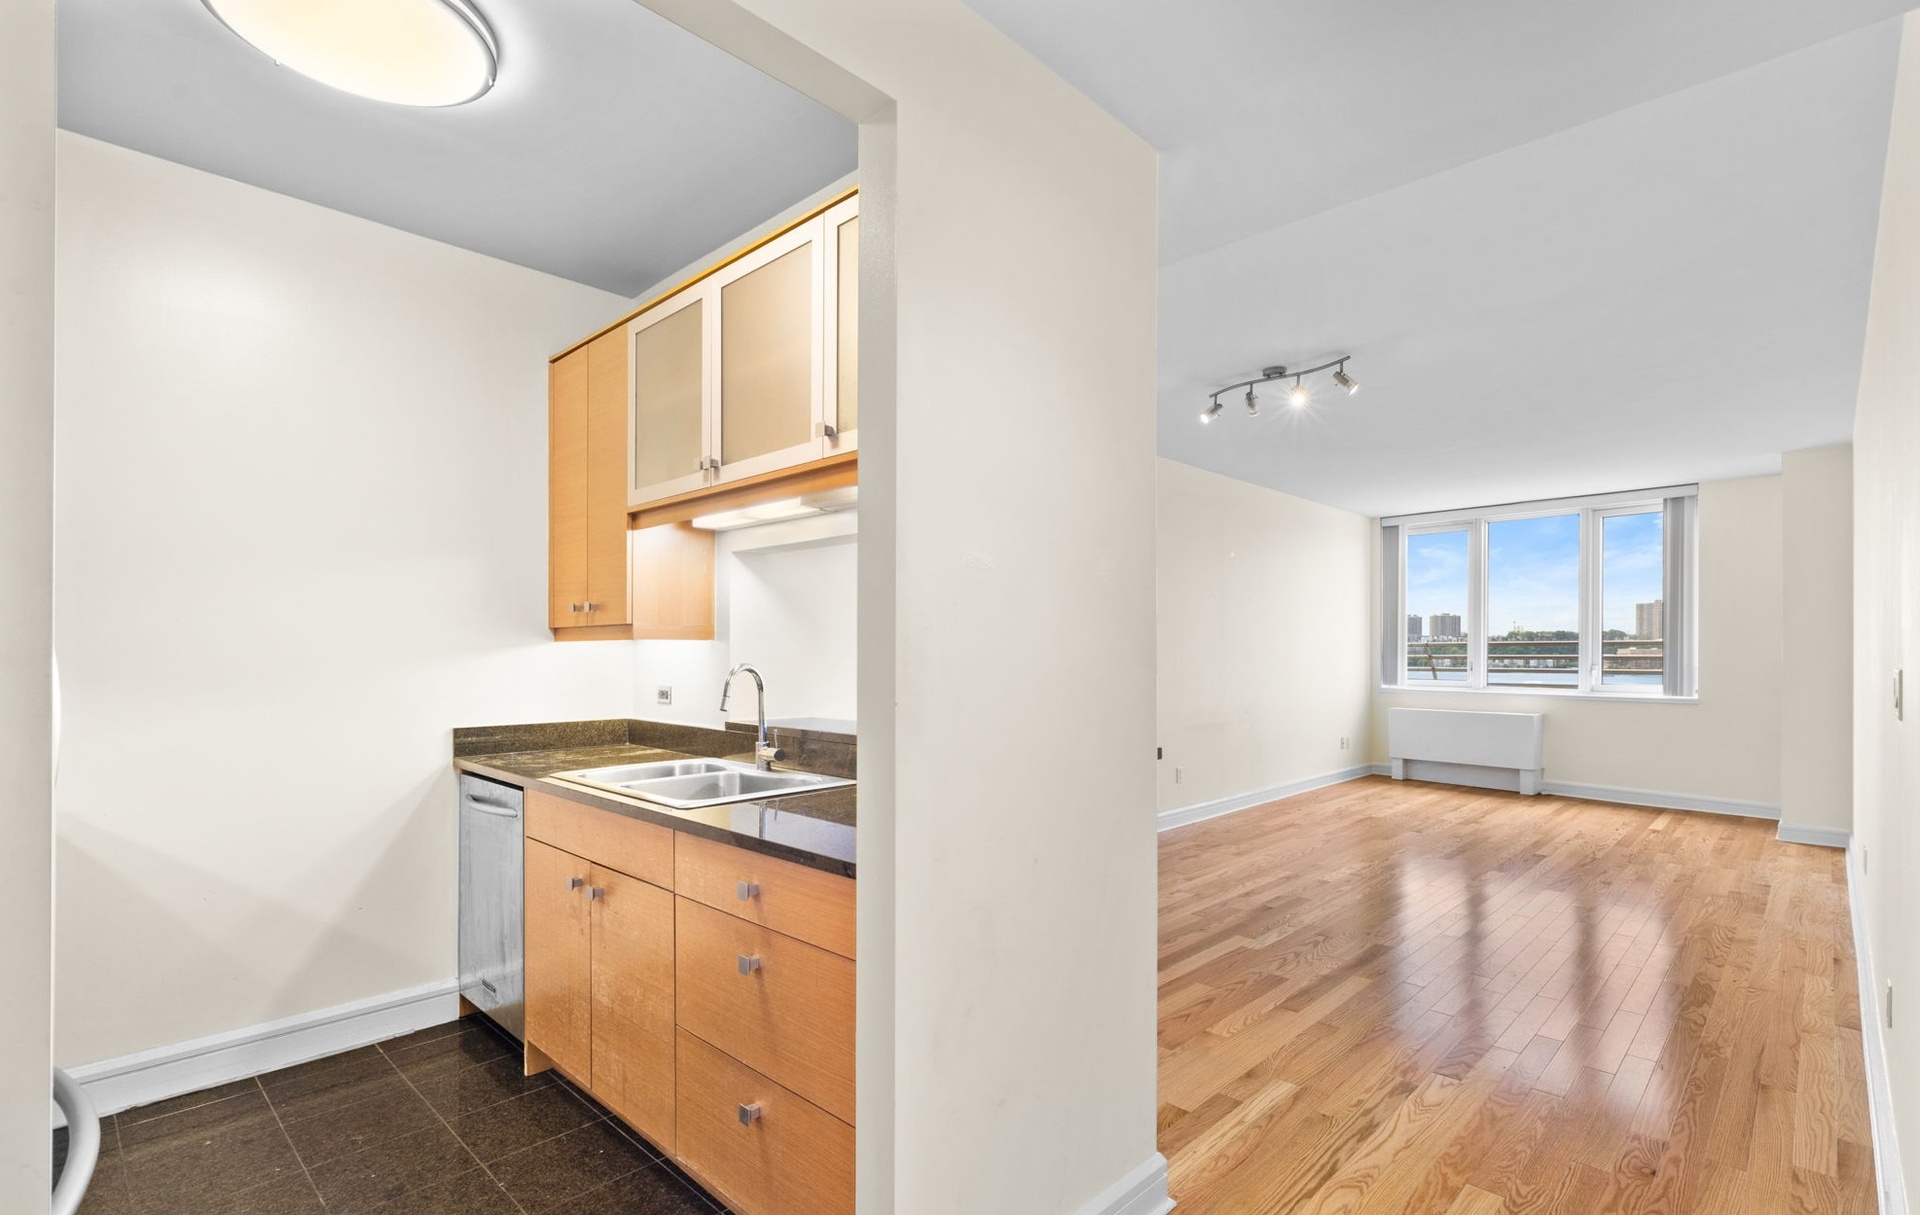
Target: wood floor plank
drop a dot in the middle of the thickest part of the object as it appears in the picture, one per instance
(1395, 997)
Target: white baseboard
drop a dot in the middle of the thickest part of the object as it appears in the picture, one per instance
(1661, 801)
(1886, 1145)
(186, 1067)
(1143, 1191)
(1823, 837)
(1182, 815)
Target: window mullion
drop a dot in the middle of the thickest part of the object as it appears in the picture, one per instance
(1589, 599)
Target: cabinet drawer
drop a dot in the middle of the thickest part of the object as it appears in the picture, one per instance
(800, 902)
(789, 1157)
(628, 845)
(781, 1006)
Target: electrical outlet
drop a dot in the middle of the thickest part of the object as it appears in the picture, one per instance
(663, 695)
(1346, 744)
(1179, 775)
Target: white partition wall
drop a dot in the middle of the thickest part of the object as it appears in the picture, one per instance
(26, 593)
(1006, 1042)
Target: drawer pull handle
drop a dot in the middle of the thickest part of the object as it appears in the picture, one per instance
(749, 963)
(746, 891)
(749, 1114)
(575, 883)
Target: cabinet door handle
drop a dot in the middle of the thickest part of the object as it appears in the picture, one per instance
(749, 962)
(574, 608)
(596, 892)
(829, 431)
(575, 883)
(750, 1114)
(591, 607)
(746, 891)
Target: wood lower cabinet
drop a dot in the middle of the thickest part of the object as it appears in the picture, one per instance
(762, 1148)
(559, 958)
(718, 1024)
(779, 1005)
(633, 993)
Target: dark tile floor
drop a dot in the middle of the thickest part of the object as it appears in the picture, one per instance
(440, 1122)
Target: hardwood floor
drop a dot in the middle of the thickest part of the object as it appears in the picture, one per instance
(1401, 997)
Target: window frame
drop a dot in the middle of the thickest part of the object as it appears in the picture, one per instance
(1592, 510)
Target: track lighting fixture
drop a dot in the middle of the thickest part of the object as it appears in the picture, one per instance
(1298, 396)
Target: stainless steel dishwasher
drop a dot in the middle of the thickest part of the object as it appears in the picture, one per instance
(492, 860)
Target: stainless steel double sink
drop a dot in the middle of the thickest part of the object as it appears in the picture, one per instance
(690, 784)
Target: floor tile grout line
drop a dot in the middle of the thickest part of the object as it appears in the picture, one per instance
(464, 1146)
(297, 1157)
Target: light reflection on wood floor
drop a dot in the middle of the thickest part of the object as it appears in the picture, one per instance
(1401, 997)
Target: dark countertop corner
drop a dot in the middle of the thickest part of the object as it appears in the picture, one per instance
(813, 829)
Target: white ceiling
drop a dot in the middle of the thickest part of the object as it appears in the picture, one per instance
(615, 149)
(1571, 248)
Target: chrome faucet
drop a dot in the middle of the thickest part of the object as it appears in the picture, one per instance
(763, 755)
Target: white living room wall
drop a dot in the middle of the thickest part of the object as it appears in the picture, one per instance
(1265, 638)
(301, 536)
(1723, 747)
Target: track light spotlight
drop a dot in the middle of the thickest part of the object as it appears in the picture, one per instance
(1298, 394)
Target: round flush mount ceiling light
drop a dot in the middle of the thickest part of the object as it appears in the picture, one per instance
(408, 52)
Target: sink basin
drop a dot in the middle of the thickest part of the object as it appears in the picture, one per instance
(693, 784)
(627, 773)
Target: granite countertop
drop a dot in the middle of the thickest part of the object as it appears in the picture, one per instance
(813, 829)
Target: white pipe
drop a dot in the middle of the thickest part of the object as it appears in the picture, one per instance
(83, 1143)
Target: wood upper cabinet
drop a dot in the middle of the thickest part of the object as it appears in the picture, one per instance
(588, 564)
(752, 369)
(604, 581)
(567, 490)
(672, 353)
(840, 313)
(766, 394)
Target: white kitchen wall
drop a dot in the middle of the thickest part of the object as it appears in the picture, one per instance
(301, 468)
(785, 601)
(26, 592)
(1886, 621)
(1264, 641)
(1726, 746)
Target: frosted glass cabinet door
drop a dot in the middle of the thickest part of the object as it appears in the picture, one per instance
(671, 368)
(841, 411)
(767, 386)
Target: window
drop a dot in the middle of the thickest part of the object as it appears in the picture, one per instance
(1587, 595)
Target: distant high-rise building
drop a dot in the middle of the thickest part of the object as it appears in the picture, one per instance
(1413, 626)
(1444, 624)
(1650, 619)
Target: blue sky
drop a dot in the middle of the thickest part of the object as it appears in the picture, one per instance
(1533, 571)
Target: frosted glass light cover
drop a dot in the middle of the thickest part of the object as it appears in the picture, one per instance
(408, 52)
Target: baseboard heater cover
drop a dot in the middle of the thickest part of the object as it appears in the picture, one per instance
(1464, 747)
